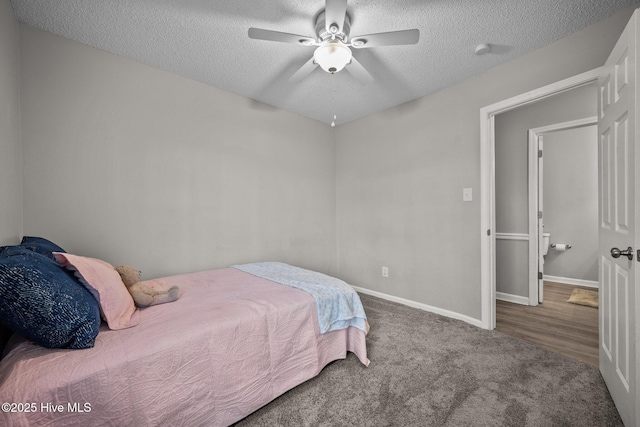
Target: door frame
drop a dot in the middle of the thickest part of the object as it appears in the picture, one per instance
(487, 183)
(535, 233)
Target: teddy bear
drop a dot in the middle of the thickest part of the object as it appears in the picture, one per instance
(143, 294)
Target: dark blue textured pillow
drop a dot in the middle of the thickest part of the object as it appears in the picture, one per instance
(44, 303)
(41, 246)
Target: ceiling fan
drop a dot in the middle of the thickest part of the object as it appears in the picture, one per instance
(332, 42)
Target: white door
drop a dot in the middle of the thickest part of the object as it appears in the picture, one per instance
(540, 221)
(619, 224)
(536, 210)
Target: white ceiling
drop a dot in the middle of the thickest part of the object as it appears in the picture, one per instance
(206, 40)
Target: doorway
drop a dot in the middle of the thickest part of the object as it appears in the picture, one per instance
(562, 201)
(518, 208)
(563, 195)
(488, 221)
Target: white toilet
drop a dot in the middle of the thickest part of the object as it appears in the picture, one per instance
(546, 240)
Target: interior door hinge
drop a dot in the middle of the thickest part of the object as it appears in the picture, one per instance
(539, 214)
(489, 232)
(539, 153)
(539, 275)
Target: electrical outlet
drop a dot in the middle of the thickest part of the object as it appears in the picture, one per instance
(385, 271)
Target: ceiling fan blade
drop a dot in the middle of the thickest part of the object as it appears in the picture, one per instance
(303, 71)
(358, 71)
(335, 11)
(391, 38)
(277, 36)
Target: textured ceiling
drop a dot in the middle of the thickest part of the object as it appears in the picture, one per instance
(206, 40)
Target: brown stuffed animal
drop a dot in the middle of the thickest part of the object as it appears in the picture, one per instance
(143, 294)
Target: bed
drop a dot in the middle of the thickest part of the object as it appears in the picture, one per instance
(230, 344)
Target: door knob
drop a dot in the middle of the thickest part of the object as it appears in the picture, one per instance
(616, 253)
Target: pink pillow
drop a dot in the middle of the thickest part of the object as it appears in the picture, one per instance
(104, 282)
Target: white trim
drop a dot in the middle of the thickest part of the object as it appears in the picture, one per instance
(573, 124)
(487, 221)
(512, 236)
(534, 222)
(516, 299)
(487, 183)
(419, 305)
(570, 281)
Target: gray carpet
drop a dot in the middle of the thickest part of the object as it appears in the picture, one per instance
(429, 370)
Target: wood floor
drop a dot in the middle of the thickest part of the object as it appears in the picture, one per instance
(556, 325)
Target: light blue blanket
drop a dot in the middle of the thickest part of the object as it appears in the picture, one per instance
(338, 303)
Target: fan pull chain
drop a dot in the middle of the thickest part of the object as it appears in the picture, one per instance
(333, 94)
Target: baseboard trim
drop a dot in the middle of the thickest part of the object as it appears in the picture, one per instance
(421, 306)
(516, 299)
(570, 281)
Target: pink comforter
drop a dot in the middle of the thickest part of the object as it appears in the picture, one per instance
(232, 343)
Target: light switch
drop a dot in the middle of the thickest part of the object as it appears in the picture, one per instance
(467, 195)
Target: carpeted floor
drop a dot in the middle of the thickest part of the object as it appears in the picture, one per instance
(429, 370)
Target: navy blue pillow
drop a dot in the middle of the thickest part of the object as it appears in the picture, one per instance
(44, 303)
(41, 246)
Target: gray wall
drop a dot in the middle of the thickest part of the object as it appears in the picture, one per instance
(512, 195)
(571, 202)
(10, 160)
(135, 165)
(401, 173)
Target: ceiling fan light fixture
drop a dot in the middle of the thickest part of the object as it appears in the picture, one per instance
(332, 56)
